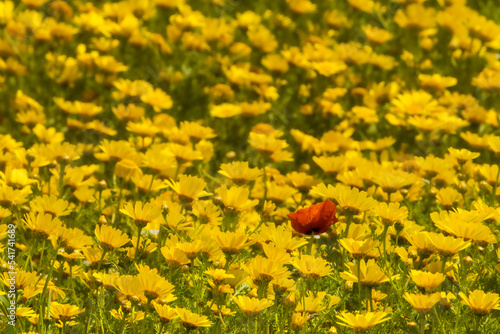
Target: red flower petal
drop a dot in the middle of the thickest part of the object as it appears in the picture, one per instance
(315, 219)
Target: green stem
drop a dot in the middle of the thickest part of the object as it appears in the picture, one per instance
(42, 296)
(264, 176)
(347, 225)
(384, 234)
(151, 184)
(421, 323)
(137, 245)
(61, 179)
(358, 265)
(494, 190)
(102, 258)
(371, 299)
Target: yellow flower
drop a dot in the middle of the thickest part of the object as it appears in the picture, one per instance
(192, 320)
(436, 82)
(391, 213)
(239, 172)
(350, 200)
(218, 275)
(115, 150)
(449, 198)
(281, 237)
(427, 280)
(311, 303)
(416, 16)
(42, 224)
(422, 303)
(127, 315)
(358, 249)
(225, 110)
(362, 322)
(460, 228)
(447, 246)
(165, 313)
(232, 242)
(302, 181)
(265, 144)
(369, 275)
(64, 312)
(181, 153)
(127, 168)
(377, 35)
(298, 321)
(331, 165)
(188, 188)
(127, 285)
(141, 214)
(252, 306)
(236, 199)
(154, 286)
(174, 256)
(481, 303)
(262, 38)
(393, 180)
(16, 178)
(4, 213)
(462, 155)
(110, 238)
(264, 270)
(312, 267)
(157, 99)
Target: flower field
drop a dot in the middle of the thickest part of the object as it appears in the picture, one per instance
(231, 166)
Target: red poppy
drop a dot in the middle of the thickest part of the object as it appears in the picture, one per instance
(315, 219)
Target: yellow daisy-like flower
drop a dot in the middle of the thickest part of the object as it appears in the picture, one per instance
(447, 246)
(51, 205)
(42, 224)
(266, 145)
(174, 256)
(369, 274)
(188, 188)
(165, 313)
(481, 303)
(426, 280)
(422, 303)
(362, 322)
(391, 213)
(64, 312)
(358, 249)
(263, 270)
(154, 285)
(462, 155)
(232, 242)
(351, 200)
(192, 320)
(311, 303)
(218, 275)
(127, 285)
(236, 199)
(4, 213)
(393, 180)
(142, 214)
(252, 306)
(468, 230)
(331, 166)
(207, 212)
(312, 267)
(110, 237)
(239, 172)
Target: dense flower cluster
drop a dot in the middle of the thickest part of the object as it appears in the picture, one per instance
(298, 166)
